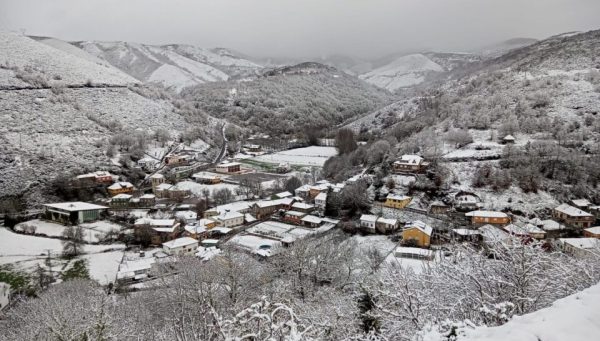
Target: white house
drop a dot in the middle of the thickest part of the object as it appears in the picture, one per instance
(368, 221)
(4, 295)
(578, 246)
(229, 218)
(321, 201)
(185, 246)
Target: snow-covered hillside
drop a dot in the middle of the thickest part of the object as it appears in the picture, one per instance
(49, 66)
(172, 66)
(403, 72)
(54, 123)
(573, 318)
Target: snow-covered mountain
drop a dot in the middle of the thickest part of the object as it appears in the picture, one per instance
(172, 66)
(498, 49)
(59, 106)
(403, 72)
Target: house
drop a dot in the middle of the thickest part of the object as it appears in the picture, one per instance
(265, 208)
(488, 217)
(158, 230)
(187, 216)
(229, 219)
(321, 201)
(135, 269)
(148, 163)
(162, 190)
(595, 210)
(508, 139)
(179, 159)
(552, 228)
(368, 221)
(311, 221)
(592, 232)
(72, 213)
(282, 195)
(98, 177)
(397, 201)
(206, 178)
(120, 200)
(466, 235)
(491, 235)
(535, 231)
(119, 188)
(303, 192)
(156, 179)
(573, 217)
(184, 246)
(180, 190)
(228, 167)
(253, 148)
(386, 225)
(410, 164)
(302, 207)
(413, 253)
(578, 246)
(283, 168)
(4, 295)
(417, 233)
(238, 206)
(582, 204)
(147, 200)
(438, 207)
(317, 189)
(466, 201)
(293, 217)
(196, 231)
(528, 230)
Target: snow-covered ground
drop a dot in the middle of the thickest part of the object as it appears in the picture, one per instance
(403, 72)
(103, 266)
(58, 67)
(308, 156)
(92, 232)
(197, 188)
(573, 318)
(25, 252)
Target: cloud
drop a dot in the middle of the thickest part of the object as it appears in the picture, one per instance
(301, 28)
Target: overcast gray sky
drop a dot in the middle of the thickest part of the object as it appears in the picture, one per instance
(301, 28)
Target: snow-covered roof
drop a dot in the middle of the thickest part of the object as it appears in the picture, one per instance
(228, 164)
(303, 188)
(180, 242)
(438, 203)
(155, 222)
(222, 230)
(312, 219)
(119, 185)
(581, 202)
(267, 203)
(551, 225)
(195, 228)
(572, 211)
(249, 218)
(487, 214)
(302, 206)
(207, 253)
(410, 159)
(368, 218)
(75, 206)
(295, 213)
(227, 215)
(164, 186)
(95, 174)
(188, 215)
(466, 232)
(515, 230)
(122, 196)
(530, 228)
(387, 221)
(509, 138)
(283, 194)
(321, 197)
(428, 230)
(157, 176)
(581, 243)
(413, 251)
(593, 230)
(397, 197)
(148, 196)
(492, 233)
(233, 207)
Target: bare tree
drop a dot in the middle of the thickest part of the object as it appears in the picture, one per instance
(73, 242)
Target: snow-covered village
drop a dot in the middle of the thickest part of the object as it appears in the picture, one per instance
(155, 187)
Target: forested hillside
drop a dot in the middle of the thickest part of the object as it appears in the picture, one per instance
(289, 100)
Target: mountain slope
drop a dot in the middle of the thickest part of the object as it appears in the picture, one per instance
(288, 99)
(403, 72)
(172, 66)
(63, 129)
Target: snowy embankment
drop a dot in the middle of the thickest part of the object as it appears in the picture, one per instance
(573, 318)
(309, 156)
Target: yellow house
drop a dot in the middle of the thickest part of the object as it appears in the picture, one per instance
(417, 232)
(397, 201)
(120, 188)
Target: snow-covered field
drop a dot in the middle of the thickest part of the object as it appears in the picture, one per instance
(104, 266)
(92, 232)
(308, 156)
(197, 188)
(26, 251)
(403, 72)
